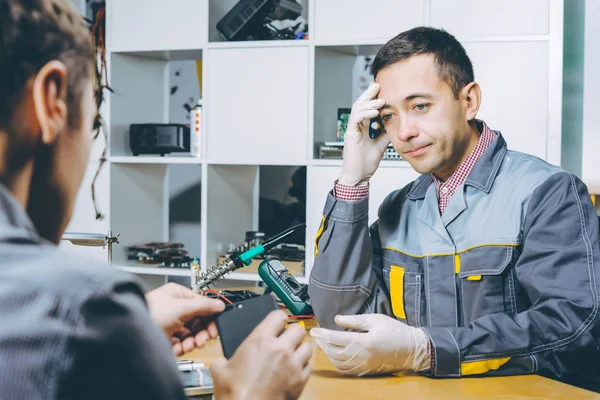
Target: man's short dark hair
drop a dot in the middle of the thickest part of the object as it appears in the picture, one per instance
(453, 64)
(33, 33)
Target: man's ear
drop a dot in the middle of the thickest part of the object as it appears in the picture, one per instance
(50, 100)
(471, 98)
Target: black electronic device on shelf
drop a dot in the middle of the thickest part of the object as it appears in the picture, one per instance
(159, 138)
(248, 19)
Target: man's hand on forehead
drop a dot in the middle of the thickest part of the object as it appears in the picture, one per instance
(362, 155)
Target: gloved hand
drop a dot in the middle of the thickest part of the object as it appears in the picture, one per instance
(386, 345)
(361, 154)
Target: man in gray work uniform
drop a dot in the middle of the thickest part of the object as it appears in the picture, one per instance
(72, 328)
(487, 264)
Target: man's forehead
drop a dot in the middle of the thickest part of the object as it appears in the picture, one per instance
(416, 74)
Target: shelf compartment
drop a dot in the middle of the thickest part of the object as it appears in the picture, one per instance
(136, 25)
(269, 199)
(156, 203)
(147, 159)
(264, 108)
(342, 73)
(152, 87)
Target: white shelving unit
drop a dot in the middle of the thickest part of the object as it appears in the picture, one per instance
(272, 102)
(149, 270)
(153, 160)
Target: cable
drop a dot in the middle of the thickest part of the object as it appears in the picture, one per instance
(101, 83)
(218, 294)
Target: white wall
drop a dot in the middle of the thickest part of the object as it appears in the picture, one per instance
(591, 97)
(184, 181)
(184, 90)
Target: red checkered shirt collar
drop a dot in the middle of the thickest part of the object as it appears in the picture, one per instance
(446, 189)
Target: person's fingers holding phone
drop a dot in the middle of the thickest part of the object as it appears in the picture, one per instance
(185, 315)
(271, 363)
(361, 154)
(271, 326)
(302, 357)
(293, 337)
(363, 109)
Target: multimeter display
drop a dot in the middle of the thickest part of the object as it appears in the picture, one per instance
(278, 267)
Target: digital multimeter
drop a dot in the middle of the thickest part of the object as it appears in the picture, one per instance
(292, 293)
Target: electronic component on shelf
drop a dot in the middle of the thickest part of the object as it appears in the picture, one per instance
(149, 249)
(343, 116)
(331, 152)
(195, 129)
(335, 150)
(249, 19)
(289, 252)
(242, 18)
(164, 254)
(391, 155)
(159, 138)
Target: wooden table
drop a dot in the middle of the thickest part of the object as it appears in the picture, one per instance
(327, 383)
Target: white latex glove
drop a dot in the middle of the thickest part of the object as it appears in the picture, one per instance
(361, 154)
(386, 345)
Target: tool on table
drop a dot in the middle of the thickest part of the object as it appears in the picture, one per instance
(236, 261)
(292, 293)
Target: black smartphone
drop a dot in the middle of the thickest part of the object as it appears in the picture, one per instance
(376, 127)
(239, 319)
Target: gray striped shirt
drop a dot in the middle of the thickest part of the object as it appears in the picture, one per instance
(72, 328)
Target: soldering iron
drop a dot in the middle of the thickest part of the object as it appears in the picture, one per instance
(235, 260)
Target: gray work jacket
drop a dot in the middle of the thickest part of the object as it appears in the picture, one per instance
(504, 281)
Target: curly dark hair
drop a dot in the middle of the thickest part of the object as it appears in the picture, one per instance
(34, 32)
